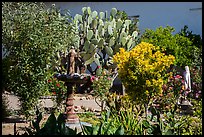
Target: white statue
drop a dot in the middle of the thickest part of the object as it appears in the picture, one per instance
(187, 78)
(187, 84)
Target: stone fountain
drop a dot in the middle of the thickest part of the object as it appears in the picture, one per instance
(75, 76)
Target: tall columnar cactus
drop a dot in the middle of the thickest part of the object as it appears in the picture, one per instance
(99, 37)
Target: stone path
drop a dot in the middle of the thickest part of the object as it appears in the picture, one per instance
(85, 100)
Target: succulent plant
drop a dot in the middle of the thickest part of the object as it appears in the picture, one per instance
(100, 36)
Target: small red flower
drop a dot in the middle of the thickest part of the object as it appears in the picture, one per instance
(92, 78)
(98, 67)
(54, 93)
(58, 85)
(49, 80)
(178, 76)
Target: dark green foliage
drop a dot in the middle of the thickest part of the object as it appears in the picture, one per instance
(178, 45)
(157, 122)
(196, 43)
(31, 37)
(53, 126)
(107, 126)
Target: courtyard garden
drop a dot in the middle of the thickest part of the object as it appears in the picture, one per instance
(48, 53)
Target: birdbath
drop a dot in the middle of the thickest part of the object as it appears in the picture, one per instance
(70, 81)
(75, 75)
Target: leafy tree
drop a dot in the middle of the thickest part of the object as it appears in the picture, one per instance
(177, 45)
(197, 44)
(31, 37)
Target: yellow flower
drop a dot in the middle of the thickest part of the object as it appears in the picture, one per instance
(144, 65)
(148, 83)
(147, 92)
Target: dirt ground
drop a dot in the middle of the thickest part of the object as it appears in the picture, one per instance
(15, 124)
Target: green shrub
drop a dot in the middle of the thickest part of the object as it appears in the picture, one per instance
(177, 45)
(58, 89)
(196, 43)
(101, 85)
(107, 126)
(31, 36)
(53, 126)
(143, 71)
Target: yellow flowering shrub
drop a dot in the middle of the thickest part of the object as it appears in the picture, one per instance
(143, 70)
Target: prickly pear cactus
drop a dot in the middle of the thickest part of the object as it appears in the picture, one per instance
(99, 37)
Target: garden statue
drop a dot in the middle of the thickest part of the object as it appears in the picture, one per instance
(71, 58)
(183, 101)
(187, 78)
(75, 63)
